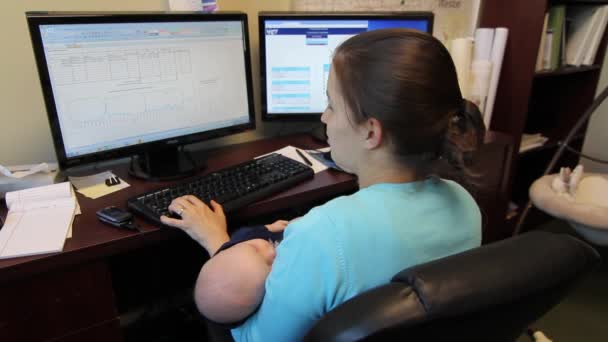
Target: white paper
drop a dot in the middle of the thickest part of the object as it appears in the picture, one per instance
(36, 231)
(290, 152)
(530, 141)
(193, 5)
(38, 220)
(39, 194)
(94, 186)
(498, 52)
(20, 171)
(185, 5)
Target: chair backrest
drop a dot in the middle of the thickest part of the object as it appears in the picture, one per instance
(493, 292)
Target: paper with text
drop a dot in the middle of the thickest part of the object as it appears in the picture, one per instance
(38, 221)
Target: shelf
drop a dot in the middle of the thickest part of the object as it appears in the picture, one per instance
(578, 2)
(550, 144)
(566, 70)
(546, 146)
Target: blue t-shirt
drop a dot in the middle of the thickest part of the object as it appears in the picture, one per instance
(357, 242)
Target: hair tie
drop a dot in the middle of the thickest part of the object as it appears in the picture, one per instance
(460, 113)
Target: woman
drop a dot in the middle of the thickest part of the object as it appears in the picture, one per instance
(395, 114)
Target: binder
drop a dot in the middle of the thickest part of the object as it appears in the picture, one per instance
(584, 19)
(557, 16)
(597, 36)
(540, 65)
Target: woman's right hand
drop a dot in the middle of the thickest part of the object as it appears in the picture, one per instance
(205, 225)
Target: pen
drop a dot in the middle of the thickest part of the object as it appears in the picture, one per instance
(303, 157)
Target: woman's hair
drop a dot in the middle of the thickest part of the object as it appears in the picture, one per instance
(406, 79)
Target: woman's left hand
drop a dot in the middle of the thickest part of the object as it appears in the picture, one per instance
(205, 225)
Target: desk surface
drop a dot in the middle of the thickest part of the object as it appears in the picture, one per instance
(93, 240)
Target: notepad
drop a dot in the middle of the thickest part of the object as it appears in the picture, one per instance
(94, 186)
(290, 152)
(38, 220)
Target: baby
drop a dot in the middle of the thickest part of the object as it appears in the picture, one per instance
(230, 286)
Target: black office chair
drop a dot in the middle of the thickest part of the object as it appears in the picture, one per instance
(491, 293)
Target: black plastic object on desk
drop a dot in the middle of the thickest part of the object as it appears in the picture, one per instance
(233, 187)
(325, 159)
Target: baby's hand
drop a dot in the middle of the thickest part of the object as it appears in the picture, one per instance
(277, 226)
(264, 248)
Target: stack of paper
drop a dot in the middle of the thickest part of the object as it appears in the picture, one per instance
(530, 141)
(38, 221)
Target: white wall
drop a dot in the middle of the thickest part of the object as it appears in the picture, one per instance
(24, 131)
(596, 140)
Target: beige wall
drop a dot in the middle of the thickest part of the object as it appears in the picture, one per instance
(24, 133)
(596, 140)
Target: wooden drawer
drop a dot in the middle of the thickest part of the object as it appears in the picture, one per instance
(57, 304)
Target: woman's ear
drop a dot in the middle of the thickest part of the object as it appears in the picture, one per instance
(373, 133)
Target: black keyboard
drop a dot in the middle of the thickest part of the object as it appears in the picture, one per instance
(233, 187)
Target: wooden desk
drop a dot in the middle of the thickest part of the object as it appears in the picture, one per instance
(79, 294)
(69, 295)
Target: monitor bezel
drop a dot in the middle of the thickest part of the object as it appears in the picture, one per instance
(35, 19)
(264, 16)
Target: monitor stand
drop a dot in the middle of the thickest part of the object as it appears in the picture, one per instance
(165, 163)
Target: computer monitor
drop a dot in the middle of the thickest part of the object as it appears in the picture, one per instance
(142, 84)
(296, 50)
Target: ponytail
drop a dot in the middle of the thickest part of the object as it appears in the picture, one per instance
(464, 135)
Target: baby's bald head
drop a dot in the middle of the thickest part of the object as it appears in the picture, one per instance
(230, 285)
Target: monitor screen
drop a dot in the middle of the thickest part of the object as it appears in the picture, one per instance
(116, 84)
(296, 51)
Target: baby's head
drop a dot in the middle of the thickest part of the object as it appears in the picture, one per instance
(230, 285)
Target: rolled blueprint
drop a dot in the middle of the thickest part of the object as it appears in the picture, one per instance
(483, 43)
(496, 56)
(481, 72)
(462, 50)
